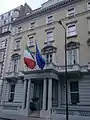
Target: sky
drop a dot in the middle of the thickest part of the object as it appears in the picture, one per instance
(6, 5)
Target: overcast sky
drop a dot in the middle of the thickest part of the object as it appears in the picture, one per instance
(6, 5)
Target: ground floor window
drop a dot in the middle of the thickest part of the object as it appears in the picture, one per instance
(74, 91)
(12, 92)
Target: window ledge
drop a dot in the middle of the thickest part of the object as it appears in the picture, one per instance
(30, 46)
(72, 36)
(17, 49)
(49, 23)
(46, 42)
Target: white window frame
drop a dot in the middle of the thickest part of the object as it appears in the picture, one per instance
(1, 56)
(49, 19)
(49, 58)
(88, 5)
(16, 43)
(19, 29)
(49, 36)
(11, 93)
(71, 30)
(15, 64)
(0, 68)
(73, 58)
(4, 29)
(2, 44)
(31, 42)
(71, 12)
(32, 25)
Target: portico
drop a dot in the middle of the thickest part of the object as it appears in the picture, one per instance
(43, 82)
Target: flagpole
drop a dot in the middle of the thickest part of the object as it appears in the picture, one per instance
(65, 70)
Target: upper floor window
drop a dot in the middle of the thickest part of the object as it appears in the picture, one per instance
(71, 30)
(49, 19)
(32, 25)
(1, 56)
(15, 62)
(5, 29)
(49, 58)
(12, 92)
(72, 57)
(16, 44)
(19, 29)
(0, 67)
(88, 5)
(71, 12)
(74, 91)
(2, 44)
(31, 41)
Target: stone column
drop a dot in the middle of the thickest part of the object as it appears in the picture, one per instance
(44, 94)
(28, 95)
(50, 94)
(23, 103)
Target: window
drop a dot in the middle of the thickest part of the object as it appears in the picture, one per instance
(12, 92)
(31, 42)
(15, 65)
(72, 57)
(0, 68)
(1, 56)
(71, 12)
(49, 19)
(4, 29)
(88, 5)
(32, 25)
(74, 91)
(2, 45)
(49, 58)
(71, 30)
(17, 44)
(19, 29)
(50, 36)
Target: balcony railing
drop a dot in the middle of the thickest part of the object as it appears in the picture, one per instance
(70, 68)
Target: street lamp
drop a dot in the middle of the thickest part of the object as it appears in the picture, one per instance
(65, 70)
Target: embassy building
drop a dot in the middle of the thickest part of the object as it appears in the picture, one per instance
(40, 94)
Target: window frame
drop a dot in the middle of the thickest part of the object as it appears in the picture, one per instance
(71, 12)
(17, 43)
(74, 92)
(1, 56)
(49, 58)
(10, 99)
(31, 41)
(49, 19)
(71, 30)
(73, 57)
(88, 5)
(32, 25)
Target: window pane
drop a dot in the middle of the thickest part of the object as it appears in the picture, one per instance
(74, 98)
(74, 86)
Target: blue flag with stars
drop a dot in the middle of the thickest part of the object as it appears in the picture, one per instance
(39, 59)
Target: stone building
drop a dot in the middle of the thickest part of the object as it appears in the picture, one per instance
(22, 85)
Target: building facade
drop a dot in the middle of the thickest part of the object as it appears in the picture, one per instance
(41, 93)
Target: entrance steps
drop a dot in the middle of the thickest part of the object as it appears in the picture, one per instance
(35, 114)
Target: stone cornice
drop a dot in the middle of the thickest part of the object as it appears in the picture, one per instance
(42, 11)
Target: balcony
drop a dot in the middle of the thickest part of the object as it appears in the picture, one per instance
(13, 75)
(60, 69)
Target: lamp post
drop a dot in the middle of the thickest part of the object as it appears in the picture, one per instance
(65, 71)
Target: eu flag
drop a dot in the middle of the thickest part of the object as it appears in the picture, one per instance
(40, 60)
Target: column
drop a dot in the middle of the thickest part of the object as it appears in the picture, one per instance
(50, 94)
(23, 103)
(44, 94)
(28, 95)
(59, 93)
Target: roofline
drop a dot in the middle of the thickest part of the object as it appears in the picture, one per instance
(42, 11)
